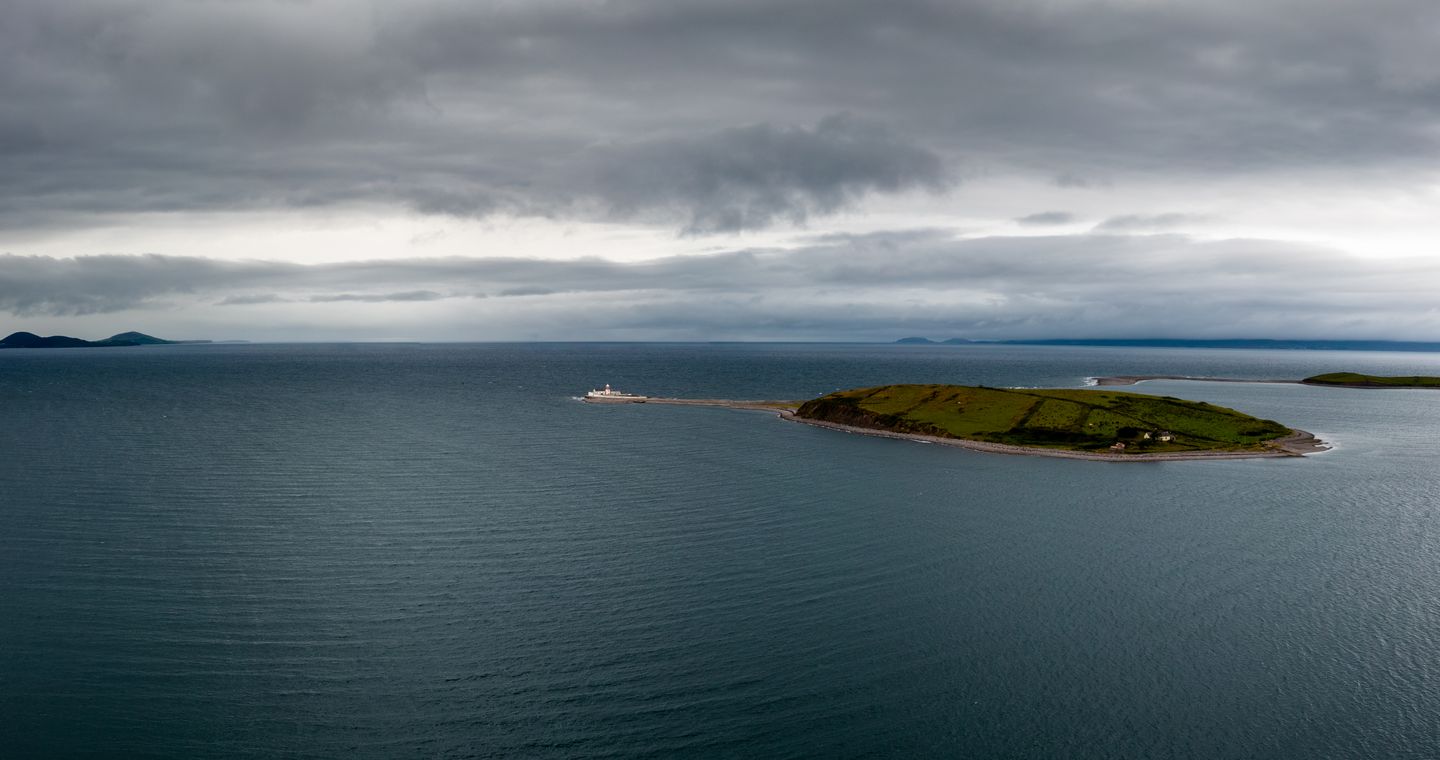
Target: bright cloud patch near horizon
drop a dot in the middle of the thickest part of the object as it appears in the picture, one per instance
(866, 287)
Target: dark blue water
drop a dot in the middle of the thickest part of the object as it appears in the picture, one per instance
(434, 551)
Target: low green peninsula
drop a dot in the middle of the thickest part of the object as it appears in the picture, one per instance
(1357, 380)
(1090, 423)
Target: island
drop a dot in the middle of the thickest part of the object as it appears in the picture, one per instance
(1357, 380)
(31, 340)
(1067, 423)
(1057, 422)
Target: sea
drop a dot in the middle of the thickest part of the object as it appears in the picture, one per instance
(436, 550)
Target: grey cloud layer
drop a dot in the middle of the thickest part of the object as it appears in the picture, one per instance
(1147, 222)
(874, 285)
(703, 115)
(743, 178)
(1046, 218)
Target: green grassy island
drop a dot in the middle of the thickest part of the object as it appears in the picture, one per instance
(1357, 380)
(1093, 421)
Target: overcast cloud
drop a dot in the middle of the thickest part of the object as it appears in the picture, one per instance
(759, 127)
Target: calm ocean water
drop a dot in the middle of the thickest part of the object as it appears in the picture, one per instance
(435, 551)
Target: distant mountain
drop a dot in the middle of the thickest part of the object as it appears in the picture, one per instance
(918, 341)
(31, 340)
(133, 338)
(1265, 343)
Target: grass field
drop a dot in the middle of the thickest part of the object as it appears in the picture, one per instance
(1070, 419)
(1357, 380)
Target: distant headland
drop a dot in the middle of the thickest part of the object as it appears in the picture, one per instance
(31, 340)
(1329, 379)
(1357, 380)
(1252, 343)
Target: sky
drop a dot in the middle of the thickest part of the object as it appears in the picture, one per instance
(720, 169)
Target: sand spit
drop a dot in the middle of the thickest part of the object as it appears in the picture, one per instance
(764, 406)
(1133, 379)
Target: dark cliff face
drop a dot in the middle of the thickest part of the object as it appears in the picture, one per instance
(843, 411)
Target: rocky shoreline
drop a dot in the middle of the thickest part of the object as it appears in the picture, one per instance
(1297, 444)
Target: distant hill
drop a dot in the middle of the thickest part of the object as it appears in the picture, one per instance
(31, 340)
(1261, 343)
(133, 338)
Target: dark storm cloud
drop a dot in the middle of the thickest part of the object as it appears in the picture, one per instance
(698, 114)
(857, 286)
